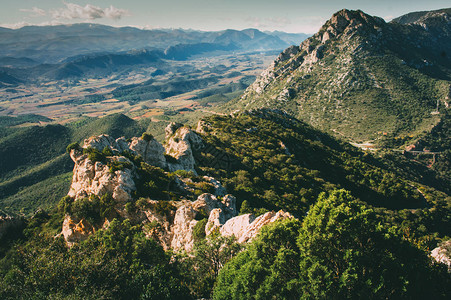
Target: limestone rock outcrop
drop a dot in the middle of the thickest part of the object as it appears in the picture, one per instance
(222, 218)
(246, 227)
(442, 253)
(151, 151)
(180, 144)
(95, 178)
(172, 223)
(185, 218)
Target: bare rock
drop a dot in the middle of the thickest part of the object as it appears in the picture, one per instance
(99, 142)
(246, 227)
(180, 144)
(95, 178)
(236, 226)
(182, 229)
(151, 151)
(179, 237)
(76, 231)
(219, 189)
(442, 253)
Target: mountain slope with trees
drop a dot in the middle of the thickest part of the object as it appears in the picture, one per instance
(361, 78)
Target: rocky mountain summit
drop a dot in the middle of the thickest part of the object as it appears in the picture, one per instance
(113, 171)
(362, 78)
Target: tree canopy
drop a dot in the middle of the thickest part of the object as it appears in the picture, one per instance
(340, 251)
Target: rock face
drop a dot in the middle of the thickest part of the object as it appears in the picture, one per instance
(246, 227)
(185, 218)
(151, 151)
(181, 142)
(442, 254)
(172, 224)
(95, 178)
(221, 218)
(75, 231)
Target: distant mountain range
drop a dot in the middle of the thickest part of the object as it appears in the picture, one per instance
(51, 44)
(75, 51)
(362, 78)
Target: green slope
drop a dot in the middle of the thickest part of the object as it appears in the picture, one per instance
(361, 78)
(34, 166)
(277, 162)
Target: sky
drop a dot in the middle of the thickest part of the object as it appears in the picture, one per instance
(209, 15)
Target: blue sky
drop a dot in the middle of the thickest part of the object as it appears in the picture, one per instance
(284, 15)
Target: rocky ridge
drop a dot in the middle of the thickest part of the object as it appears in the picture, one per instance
(170, 222)
(356, 73)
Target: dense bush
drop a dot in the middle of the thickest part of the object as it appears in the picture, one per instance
(72, 146)
(115, 263)
(94, 155)
(340, 251)
(93, 209)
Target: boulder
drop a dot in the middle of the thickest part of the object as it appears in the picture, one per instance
(246, 227)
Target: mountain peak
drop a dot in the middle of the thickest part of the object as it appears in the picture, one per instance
(348, 20)
(347, 78)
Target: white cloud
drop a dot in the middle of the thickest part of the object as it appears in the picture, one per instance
(87, 12)
(35, 12)
(115, 13)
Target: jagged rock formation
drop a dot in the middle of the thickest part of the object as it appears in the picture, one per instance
(172, 227)
(246, 227)
(185, 218)
(181, 142)
(95, 178)
(178, 234)
(442, 253)
(360, 77)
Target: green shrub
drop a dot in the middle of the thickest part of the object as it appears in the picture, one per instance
(184, 173)
(118, 166)
(164, 208)
(142, 203)
(107, 151)
(94, 155)
(130, 207)
(199, 230)
(73, 146)
(65, 205)
(147, 137)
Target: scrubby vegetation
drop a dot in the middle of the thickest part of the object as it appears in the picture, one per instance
(32, 156)
(116, 263)
(339, 251)
(271, 161)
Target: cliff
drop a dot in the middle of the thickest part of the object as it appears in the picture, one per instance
(172, 198)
